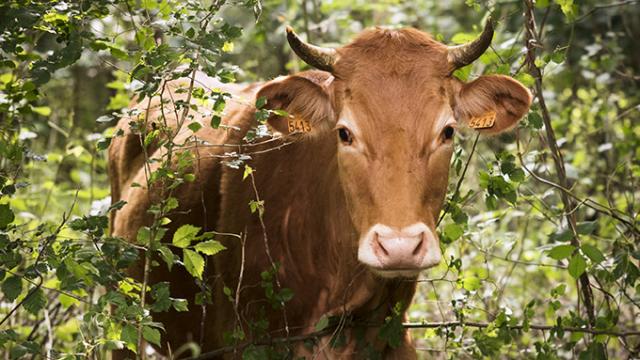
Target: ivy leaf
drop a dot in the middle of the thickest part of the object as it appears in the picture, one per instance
(577, 265)
(210, 247)
(593, 253)
(12, 287)
(185, 235)
(152, 335)
(561, 252)
(194, 263)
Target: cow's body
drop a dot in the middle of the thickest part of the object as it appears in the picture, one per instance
(309, 197)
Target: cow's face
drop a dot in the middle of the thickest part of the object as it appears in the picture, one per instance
(394, 109)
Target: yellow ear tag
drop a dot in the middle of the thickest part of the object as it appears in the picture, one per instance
(299, 125)
(485, 121)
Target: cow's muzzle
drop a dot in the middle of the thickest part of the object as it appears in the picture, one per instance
(395, 252)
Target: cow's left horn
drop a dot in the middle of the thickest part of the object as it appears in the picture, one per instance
(318, 57)
(465, 54)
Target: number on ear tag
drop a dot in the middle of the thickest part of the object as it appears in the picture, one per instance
(484, 121)
(300, 125)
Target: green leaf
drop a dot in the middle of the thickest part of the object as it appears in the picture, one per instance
(185, 235)
(35, 302)
(11, 288)
(41, 110)
(248, 170)
(586, 228)
(561, 235)
(392, 331)
(535, 120)
(577, 265)
(129, 335)
(210, 247)
(152, 335)
(168, 256)
(194, 126)
(595, 351)
(453, 231)
(471, 283)
(6, 216)
(260, 102)
(143, 236)
(561, 252)
(194, 263)
(593, 253)
(322, 323)
(180, 305)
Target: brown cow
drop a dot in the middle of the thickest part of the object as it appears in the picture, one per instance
(350, 205)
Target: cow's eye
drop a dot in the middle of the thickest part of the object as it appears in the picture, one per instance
(345, 136)
(448, 132)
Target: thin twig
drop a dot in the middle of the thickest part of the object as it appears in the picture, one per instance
(532, 42)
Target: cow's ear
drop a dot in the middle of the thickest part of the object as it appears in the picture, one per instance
(306, 98)
(492, 104)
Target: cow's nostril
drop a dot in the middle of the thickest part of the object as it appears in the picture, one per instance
(379, 245)
(420, 246)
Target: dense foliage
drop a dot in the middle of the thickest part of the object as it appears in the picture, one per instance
(541, 226)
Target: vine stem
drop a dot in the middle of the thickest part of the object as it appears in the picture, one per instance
(532, 43)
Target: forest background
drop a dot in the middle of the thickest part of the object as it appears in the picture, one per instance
(540, 239)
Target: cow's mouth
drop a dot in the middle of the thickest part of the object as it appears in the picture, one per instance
(396, 273)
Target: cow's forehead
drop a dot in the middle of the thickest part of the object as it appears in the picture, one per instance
(388, 52)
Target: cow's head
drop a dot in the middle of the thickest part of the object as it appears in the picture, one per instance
(394, 107)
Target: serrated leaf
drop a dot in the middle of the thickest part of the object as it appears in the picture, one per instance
(593, 253)
(152, 335)
(210, 247)
(577, 266)
(561, 252)
(185, 235)
(35, 302)
(194, 263)
(11, 288)
(129, 335)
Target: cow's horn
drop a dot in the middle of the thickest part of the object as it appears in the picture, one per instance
(318, 57)
(465, 54)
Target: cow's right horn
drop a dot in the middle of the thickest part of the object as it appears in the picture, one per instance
(318, 57)
(463, 55)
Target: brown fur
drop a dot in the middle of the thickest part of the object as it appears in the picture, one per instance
(319, 199)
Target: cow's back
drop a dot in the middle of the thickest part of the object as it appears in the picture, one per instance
(199, 201)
